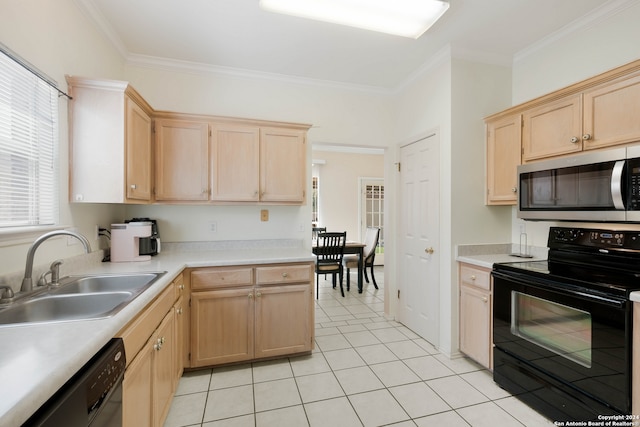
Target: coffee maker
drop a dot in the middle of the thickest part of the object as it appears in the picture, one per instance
(148, 245)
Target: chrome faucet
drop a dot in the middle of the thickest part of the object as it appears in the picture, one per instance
(27, 282)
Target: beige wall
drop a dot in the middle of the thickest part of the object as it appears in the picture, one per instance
(339, 188)
(56, 38)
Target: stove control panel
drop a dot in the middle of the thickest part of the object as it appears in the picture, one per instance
(608, 238)
(594, 238)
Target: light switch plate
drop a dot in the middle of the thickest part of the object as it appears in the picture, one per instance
(264, 215)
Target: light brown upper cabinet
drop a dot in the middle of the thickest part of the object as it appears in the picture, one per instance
(596, 113)
(182, 154)
(122, 151)
(235, 163)
(552, 129)
(611, 114)
(503, 158)
(601, 116)
(110, 141)
(282, 165)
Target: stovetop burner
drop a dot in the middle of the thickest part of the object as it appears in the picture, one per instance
(604, 260)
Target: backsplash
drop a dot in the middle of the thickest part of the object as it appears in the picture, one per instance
(70, 264)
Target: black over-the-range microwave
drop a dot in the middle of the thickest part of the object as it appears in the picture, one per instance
(597, 186)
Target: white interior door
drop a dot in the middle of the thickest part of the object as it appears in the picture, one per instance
(419, 276)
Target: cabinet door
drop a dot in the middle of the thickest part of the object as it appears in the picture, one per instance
(282, 165)
(163, 368)
(553, 129)
(283, 320)
(180, 312)
(475, 324)
(222, 326)
(182, 160)
(138, 152)
(136, 389)
(504, 145)
(611, 114)
(235, 163)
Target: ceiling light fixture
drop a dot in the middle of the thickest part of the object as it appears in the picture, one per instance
(406, 18)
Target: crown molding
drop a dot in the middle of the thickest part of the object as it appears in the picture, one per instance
(601, 13)
(159, 63)
(345, 148)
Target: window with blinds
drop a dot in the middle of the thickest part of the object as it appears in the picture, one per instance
(28, 147)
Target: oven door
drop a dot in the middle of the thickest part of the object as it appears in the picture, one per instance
(563, 345)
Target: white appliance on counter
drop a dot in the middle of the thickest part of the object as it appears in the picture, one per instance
(125, 241)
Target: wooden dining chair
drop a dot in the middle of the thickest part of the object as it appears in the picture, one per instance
(368, 253)
(329, 252)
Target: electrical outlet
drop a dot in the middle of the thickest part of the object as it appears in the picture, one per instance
(264, 215)
(213, 226)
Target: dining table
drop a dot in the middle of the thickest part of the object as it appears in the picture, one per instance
(352, 247)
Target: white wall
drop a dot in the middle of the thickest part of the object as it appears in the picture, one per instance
(339, 188)
(569, 58)
(453, 98)
(422, 106)
(57, 39)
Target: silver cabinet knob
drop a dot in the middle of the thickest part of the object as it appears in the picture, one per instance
(514, 189)
(575, 139)
(586, 136)
(133, 186)
(429, 250)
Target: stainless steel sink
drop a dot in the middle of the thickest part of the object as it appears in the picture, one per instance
(78, 298)
(58, 308)
(105, 283)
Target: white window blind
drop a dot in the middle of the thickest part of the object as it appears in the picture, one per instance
(28, 147)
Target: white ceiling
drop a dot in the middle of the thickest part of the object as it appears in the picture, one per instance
(236, 36)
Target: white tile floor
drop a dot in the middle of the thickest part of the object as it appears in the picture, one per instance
(364, 371)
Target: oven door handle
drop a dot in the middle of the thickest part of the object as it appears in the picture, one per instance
(560, 288)
(616, 185)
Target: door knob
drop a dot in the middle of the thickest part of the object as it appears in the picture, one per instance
(429, 250)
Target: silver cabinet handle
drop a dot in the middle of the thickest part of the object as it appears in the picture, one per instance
(586, 136)
(133, 186)
(575, 139)
(514, 189)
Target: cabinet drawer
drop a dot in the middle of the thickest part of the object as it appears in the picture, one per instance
(178, 284)
(138, 331)
(221, 277)
(292, 273)
(474, 276)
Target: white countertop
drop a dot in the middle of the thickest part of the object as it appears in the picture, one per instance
(488, 254)
(36, 360)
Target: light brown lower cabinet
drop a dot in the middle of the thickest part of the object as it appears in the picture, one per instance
(476, 337)
(152, 341)
(250, 312)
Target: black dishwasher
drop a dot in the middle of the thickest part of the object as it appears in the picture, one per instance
(92, 397)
